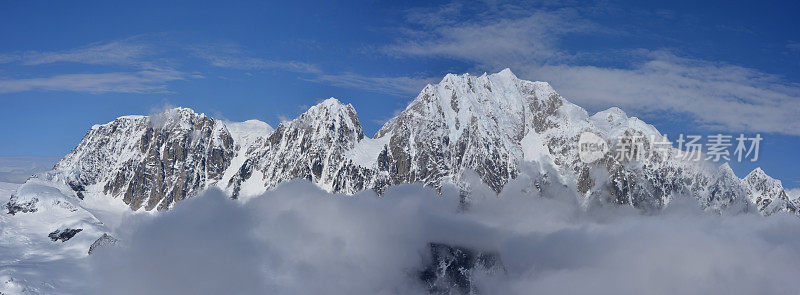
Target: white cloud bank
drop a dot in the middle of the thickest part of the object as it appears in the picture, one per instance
(300, 240)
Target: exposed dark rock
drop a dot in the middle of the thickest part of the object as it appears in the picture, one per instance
(451, 269)
(151, 162)
(15, 207)
(310, 147)
(103, 241)
(64, 234)
(585, 182)
(77, 187)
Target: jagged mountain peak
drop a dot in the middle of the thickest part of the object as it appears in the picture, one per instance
(760, 181)
(506, 73)
(768, 193)
(331, 103)
(311, 147)
(332, 108)
(726, 170)
(758, 173)
(180, 110)
(502, 74)
(175, 117)
(168, 118)
(328, 116)
(498, 102)
(615, 122)
(473, 123)
(611, 114)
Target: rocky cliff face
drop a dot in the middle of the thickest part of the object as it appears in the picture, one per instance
(150, 162)
(310, 147)
(767, 193)
(489, 124)
(465, 123)
(452, 269)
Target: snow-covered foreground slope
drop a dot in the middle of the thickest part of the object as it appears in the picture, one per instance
(36, 248)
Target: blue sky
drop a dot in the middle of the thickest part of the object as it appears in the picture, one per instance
(686, 67)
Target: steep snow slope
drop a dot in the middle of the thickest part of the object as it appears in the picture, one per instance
(246, 136)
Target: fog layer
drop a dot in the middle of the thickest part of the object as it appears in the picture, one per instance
(298, 239)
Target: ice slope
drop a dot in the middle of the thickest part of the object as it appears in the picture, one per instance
(246, 136)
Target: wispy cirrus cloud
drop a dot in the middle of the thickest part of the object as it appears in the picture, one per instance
(714, 94)
(138, 69)
(144, 70)
(234, 57)
(129, 51)
(502, 38)
(398, 86)
(144, 81)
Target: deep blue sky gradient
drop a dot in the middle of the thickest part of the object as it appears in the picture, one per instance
(339, 37)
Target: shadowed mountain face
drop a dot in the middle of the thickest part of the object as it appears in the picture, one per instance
(490, 125)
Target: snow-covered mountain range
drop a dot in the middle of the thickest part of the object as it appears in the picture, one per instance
(494, 126)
